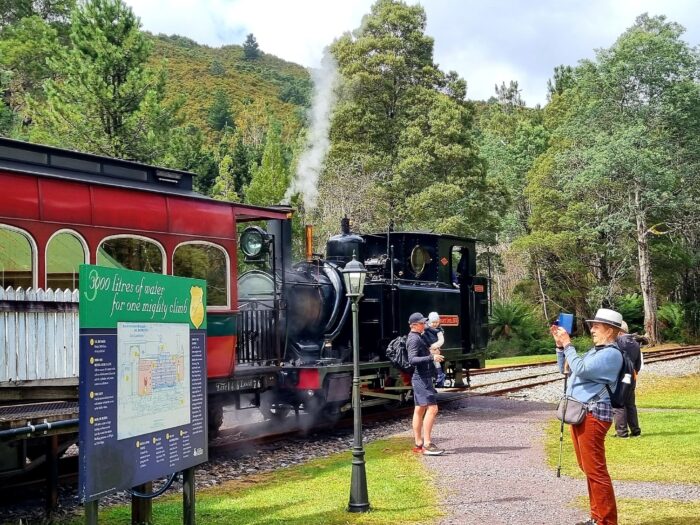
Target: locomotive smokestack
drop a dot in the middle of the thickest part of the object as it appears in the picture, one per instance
(345, 225)
(309, 242)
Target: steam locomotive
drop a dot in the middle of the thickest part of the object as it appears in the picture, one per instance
(406, 272)
(279, 334)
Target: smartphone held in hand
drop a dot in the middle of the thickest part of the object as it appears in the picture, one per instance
(566, 321)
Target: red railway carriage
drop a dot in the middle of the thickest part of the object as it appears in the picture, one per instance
(61, 208)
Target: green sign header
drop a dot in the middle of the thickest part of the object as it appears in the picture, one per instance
(109, 296)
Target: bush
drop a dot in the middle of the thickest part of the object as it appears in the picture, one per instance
(517, 330)
(672, 319)
(631, 306)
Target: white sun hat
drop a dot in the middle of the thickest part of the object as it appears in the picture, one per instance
(606, 316)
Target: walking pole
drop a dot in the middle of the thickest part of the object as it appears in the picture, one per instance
(561, 430)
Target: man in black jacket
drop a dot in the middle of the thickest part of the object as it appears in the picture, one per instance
(627, 416)
(424, 393)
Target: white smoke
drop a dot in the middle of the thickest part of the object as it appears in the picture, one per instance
(310, 162)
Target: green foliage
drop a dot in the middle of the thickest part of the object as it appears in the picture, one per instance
(672, 319)
(106, 100)
(509, 319)
(220, 115)
(7, 116)
(296, 91)
(25, 48)
(269, 180)
(522, 332)
(620, 172)
(251, 50)
(217, 68)
(631, 306)
(54, 12)
(225, 184)
(404, 125)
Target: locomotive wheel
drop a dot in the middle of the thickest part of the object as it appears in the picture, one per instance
(270, 408)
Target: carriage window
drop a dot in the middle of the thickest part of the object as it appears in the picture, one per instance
(419, 259)
(130, 254)
(204, 261)
(15, 259)
(64, 255)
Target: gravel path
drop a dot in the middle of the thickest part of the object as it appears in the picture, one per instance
(494, 471)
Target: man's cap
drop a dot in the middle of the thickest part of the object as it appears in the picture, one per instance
(606, 316)
(416, 317)
(433, 316)
(624, 327)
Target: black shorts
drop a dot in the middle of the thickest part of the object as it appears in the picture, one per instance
(424, 392)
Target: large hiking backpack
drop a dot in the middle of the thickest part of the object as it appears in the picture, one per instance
(397, 353)
(626, 382)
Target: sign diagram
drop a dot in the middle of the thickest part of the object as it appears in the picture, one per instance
(154, 377)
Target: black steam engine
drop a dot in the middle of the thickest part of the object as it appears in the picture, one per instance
(407, 272)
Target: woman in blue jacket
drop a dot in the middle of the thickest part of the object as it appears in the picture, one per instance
(589, 375)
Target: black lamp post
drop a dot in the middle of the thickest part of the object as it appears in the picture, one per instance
(354, 276)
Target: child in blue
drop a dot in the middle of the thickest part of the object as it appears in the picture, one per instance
(434, 337)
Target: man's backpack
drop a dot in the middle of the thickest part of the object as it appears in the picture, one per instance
(397, 353)
(626, 382)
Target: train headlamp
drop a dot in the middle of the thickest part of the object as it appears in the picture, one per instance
(255, 242)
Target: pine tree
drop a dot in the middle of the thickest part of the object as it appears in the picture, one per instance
(220, 115)
(269, 181)
(106, 101)
(225, 185)
(251, 51)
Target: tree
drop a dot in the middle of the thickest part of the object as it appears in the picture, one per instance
(225, 184)
(269, 181)
(106, 101)
(55, 12)
(220, 115)
(405, 126)
(7, 117)
(25, 48)
(626, 155)
(251, 51)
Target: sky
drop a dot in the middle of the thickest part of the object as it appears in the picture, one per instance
(486, 41)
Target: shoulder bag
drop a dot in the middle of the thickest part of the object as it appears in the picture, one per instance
(573, 412)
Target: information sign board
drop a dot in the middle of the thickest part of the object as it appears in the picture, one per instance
(142, 378)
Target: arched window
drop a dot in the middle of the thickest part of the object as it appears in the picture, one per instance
(131, 253)
(205, 261)
(17, 258)
(65, 252)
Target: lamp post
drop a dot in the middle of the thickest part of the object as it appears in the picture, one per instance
(354, 276)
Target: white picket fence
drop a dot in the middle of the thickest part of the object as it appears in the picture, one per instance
(38, 334)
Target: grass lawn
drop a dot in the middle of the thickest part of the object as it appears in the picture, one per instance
(520, 360)
(669, 447)
(664, 392)
(315, 493)
(654, 512)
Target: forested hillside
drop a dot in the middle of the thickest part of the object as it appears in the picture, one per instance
(199, 72)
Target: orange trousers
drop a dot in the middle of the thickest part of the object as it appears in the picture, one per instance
(589, 444)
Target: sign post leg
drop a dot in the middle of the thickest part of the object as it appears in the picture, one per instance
(142, 508)
(51, 475)
(91, 512)
(188, 496)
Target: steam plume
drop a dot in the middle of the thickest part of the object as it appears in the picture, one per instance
(310, 163)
